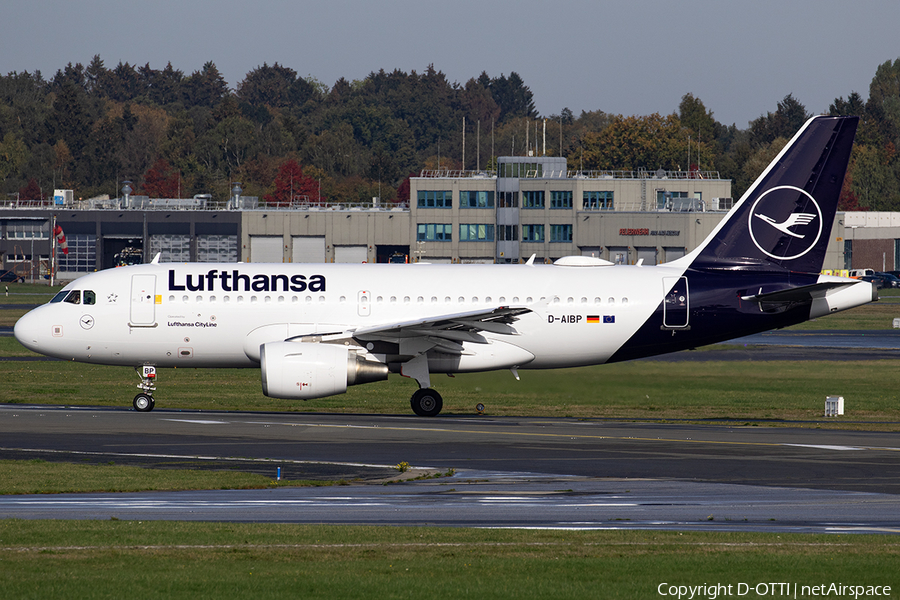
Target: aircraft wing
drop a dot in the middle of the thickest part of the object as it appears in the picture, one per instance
(454, 327)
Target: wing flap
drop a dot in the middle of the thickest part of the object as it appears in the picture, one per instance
(457, 327)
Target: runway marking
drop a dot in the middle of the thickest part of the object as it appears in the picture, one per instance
(569, 436)
(826, 447)
(214, 458)
(197, 421)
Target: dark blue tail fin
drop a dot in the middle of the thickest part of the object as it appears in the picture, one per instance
(785, 218)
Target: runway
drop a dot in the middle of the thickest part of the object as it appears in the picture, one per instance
(515, 472)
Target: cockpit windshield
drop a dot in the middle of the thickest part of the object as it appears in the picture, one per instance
(75, 297)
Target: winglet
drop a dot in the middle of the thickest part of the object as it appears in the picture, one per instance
(155, 260)
(530, 262)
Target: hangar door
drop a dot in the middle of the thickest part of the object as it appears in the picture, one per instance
(308, 249)
(351, 254)
(266, 249)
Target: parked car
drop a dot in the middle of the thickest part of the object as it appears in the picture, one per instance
(11, 276)
(890, 281)
(860, 273)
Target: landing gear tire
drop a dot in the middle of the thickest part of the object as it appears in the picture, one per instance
(426, 402)
(144, 403)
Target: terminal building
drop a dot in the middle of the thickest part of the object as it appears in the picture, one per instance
(528, 206)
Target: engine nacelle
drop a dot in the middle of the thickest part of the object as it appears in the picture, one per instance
(306, 370)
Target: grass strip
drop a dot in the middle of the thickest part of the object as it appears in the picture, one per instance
(737, 390)
(115, 559)
(42, 477)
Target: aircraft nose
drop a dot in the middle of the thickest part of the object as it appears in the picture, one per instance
(29, 330)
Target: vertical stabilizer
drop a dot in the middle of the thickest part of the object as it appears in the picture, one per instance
(785, 218)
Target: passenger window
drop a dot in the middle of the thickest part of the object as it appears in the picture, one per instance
(89, 297)
(74, 297)
(171, 298)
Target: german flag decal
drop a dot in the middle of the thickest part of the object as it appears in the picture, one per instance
(593, 318)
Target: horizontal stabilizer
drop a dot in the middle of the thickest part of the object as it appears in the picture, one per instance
(799, 294)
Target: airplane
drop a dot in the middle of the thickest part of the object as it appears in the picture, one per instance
(315, 329)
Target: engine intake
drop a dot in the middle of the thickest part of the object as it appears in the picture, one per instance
(305, 370)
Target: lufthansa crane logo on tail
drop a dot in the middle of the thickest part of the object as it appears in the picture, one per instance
(793, 219)
(781, 234)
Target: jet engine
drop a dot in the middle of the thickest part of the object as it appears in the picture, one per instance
(313, 370)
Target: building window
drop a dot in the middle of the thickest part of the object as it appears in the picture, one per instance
(521, 170)
(434, 232)
(508, 233)
(476, 232)
(848, 254)
(508, 199)
(435, 199)
(532, 233)
(476, 199)
(561, 199)
(560, 233)
(28, 230)
(598, 201)
(533, 199)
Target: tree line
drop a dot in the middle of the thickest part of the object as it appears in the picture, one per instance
(288, 138)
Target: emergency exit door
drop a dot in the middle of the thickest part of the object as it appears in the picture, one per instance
(143, 300)
(676, 305)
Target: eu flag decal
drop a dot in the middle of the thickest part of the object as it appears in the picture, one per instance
(609, 318)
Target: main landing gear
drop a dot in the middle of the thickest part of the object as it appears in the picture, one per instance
(426, 402)
(144, 401)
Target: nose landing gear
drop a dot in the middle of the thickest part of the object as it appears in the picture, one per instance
(144, 401)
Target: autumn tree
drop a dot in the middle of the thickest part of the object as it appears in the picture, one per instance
(161, 180)
(632, 143)
(292, 186)
(32, 191)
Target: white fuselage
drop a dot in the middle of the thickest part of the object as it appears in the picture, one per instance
(192, 315)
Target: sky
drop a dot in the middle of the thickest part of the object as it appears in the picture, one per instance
(634, 57)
